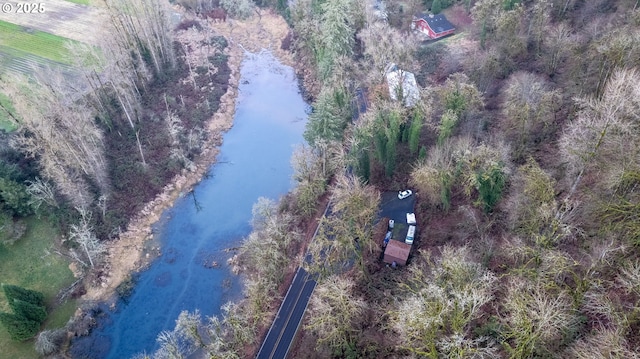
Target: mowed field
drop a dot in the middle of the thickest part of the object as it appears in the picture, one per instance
(32, 40)
(63, 18)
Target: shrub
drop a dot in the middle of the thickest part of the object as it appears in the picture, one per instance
(49, 341)
(11, 230)
(15, 197)
(187, 24)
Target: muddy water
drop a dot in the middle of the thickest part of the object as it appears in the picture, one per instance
(192, 272)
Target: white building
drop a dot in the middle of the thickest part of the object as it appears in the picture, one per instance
(402, 83)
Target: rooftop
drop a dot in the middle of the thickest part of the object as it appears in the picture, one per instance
(397, 249)
(437, 23)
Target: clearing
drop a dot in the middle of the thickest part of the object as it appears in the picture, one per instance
(31, 263)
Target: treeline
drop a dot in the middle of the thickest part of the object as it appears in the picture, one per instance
(96, 144)
(525, 192)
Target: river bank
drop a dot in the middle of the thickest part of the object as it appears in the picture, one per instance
(130, 253)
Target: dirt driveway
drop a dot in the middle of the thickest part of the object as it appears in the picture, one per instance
(63, 18)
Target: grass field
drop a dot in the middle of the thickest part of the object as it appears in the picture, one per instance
(5, 123)
(31, 263)
(29, 41)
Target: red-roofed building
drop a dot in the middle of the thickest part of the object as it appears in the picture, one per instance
(397, 252)
(434, 26)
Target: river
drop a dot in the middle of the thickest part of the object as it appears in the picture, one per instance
(254, 161)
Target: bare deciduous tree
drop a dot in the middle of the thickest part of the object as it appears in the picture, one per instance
(59, 130)
(446, 294)
(41, 191)
(601, 344)
(536, 319)
(557, 45)
(605, 133)
(384, 45)
(308, 172)
(347, 234)
(529, 109)
(334, 313)
(82, 234)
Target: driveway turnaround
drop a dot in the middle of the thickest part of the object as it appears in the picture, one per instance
(394, 208)
(278, 341)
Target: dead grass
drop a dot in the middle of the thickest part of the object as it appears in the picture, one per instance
(263, 31)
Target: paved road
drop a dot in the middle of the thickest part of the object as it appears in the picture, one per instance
(284, 327)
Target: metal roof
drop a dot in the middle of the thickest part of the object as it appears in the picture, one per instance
(437, 23)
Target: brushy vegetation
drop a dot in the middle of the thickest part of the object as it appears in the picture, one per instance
(92, 150)
(522, 155)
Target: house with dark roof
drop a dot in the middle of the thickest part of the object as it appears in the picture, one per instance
(434, 26)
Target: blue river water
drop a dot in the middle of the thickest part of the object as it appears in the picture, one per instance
(254, 162)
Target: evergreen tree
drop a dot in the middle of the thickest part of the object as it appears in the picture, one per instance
(329, 117)
(13, 292)
(490, 184)
(18, 327)
(414, 132)
(15, 197)
(27, 310)
(436, 6)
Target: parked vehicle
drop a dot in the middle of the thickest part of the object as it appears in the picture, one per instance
(410, 234)
(411, 218)
(387, 237)
(404, 194)
(391, 224)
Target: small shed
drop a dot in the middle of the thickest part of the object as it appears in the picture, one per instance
(398, 252)
(434, 26)
(402, 83)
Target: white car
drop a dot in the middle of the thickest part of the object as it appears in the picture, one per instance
(404, 194)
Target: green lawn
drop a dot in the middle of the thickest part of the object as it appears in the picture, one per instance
(31, 263)
(29, 41)
(6, 124)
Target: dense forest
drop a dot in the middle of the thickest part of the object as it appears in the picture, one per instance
(521, 152)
